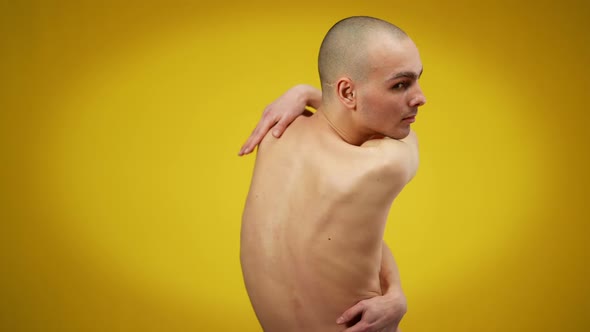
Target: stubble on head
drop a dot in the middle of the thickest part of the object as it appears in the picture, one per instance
(346, 50)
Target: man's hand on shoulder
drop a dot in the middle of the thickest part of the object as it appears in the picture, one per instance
(281, 113)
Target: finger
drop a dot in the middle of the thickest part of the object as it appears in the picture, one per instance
(258, 134)
(351, 313)
(247, 147)
(279, 128)
(360, 327)
(286, 121)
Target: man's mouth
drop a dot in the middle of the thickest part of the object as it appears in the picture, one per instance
(410, 118)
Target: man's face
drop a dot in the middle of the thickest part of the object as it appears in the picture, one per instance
(389, 97)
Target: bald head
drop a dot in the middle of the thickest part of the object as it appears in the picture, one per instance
(344, 50)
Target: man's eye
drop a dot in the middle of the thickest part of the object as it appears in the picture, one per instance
(400, 86)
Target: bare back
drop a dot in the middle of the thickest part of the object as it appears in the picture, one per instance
(313, 225)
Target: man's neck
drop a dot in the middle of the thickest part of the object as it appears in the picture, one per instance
(342, 125)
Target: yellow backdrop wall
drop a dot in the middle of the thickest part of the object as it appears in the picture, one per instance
(122, 190)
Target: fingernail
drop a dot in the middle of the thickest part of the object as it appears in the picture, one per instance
(275, 133)
(340, 320)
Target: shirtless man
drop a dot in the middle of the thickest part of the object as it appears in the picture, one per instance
(312, 250)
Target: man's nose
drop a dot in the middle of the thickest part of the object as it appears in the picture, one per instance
(418, 99)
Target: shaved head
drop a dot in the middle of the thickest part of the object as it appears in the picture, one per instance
(344, 50)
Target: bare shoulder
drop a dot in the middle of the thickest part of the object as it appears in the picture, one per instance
(397, 158)
(295, 128)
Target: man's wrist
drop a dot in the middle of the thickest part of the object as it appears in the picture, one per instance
(309, 95)
(396, 295)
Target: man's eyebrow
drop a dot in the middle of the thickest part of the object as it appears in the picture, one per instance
(408, 74)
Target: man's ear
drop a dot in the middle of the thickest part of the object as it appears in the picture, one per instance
(346, 92)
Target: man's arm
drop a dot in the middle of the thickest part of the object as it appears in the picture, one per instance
(380, 313)
(280, 113)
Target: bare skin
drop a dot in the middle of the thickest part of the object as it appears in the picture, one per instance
(379, 312)
(312, 248)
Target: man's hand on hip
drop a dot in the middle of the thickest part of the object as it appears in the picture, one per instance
(380, 313)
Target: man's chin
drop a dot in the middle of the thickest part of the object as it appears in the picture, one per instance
(400, 134)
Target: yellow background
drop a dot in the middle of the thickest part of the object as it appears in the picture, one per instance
(122, 193)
